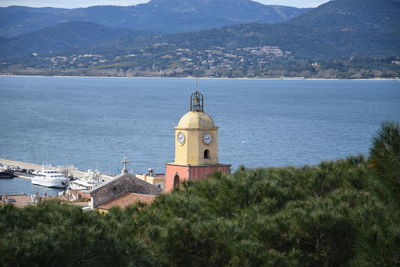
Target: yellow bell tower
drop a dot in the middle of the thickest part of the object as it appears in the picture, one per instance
(196, 146)
(196, 136)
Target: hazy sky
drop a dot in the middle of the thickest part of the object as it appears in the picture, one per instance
(86, 3)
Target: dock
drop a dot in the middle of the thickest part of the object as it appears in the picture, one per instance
(68, 171)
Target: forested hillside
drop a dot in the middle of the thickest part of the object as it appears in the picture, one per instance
(157, 16)
(353, 15)
(342, 213)
(326, 42)
(62, 37)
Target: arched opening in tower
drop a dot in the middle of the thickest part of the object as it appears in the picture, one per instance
(176, 181)
(206, 154)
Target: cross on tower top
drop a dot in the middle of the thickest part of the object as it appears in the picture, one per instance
(125, 163)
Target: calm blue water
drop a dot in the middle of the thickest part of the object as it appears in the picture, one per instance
(93, 123)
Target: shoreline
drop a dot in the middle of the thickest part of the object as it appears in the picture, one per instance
(206, 78)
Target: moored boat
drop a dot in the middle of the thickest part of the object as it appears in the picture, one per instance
(49, 178)
(6, 174)
(87, 182)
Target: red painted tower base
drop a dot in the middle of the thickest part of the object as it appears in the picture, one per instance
(175, 174)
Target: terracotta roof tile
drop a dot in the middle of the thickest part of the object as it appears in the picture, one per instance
(127, 200)
(17, 200)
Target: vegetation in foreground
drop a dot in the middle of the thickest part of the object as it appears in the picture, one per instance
(342, 213)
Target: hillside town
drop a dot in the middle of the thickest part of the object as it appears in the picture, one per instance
(169, 60)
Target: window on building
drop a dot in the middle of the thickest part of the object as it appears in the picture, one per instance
(206, 154)
(176, 181)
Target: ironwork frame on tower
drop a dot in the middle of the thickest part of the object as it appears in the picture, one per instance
(196, 102)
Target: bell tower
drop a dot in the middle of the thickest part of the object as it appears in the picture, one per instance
(196, 146)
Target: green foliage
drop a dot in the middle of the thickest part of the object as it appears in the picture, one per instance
(341, 213)
(57, 234)
(385, 158)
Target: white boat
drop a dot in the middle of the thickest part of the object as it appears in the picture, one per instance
(87, 182)
(49, 178)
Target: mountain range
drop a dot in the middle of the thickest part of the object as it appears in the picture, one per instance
(340, 28)
(156, 16)
(336, 30)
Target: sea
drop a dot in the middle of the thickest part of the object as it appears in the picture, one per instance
(93, 123)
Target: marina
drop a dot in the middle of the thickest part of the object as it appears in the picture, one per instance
(68, 171)
(48, 183)
(23, 181)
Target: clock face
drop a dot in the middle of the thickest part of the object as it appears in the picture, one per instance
(207, 139)
(181, 138)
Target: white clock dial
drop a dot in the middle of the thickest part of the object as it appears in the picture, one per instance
(207, 139)
(181, 138)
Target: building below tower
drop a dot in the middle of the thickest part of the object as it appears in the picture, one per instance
(176, 174)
